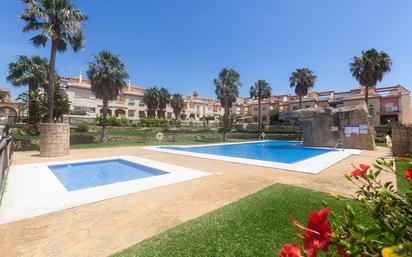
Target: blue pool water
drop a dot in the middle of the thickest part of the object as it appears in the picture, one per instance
(97, 173)
(274, 151)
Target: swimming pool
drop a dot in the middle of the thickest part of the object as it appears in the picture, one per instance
(288, 155)
(275, 151)
(82, 175)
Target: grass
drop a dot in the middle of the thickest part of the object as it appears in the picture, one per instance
(253, 226)
(130, 143)
(401, 166)
(381, 144)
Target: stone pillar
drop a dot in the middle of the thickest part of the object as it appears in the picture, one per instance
(54, 139)
(401, 143)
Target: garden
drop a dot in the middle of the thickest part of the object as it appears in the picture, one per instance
(123, 132)
(272, 222)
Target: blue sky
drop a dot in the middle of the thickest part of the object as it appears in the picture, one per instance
(182, 44)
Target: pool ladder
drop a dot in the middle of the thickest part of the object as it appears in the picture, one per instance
(339, 143)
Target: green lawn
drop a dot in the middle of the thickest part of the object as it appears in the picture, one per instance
(131, 143)
(253, 226)
(401, 166)
(381, 144)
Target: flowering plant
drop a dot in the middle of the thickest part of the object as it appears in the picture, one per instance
(386, 232)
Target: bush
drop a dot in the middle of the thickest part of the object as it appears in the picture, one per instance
(112, 121)
(387, 232)
(82, 127)
(124, 121)
(153, 122)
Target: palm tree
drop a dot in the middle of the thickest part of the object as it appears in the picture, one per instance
(260, 90)
(302, 79)
(2, 96)
(32, 72)
(151, 99)
(60, 22)
(107, 77)
(227, 91)
(164, 100)
(369, 68)
(178, 104)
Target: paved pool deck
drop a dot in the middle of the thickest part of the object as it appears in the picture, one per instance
(103, 228)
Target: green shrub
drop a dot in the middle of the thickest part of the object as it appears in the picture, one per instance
(388, 231)
(82, 127)
(154, 122)
(123, 121)
(114, 121)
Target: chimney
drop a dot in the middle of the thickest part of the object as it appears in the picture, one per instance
(81, 78)
(129, 84)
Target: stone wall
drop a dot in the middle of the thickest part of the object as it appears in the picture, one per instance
(322, 127)
(401, 140)
(54, 139)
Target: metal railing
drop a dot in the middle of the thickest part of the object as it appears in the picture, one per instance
(6, 151)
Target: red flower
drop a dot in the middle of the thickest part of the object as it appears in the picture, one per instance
(364, 167)
(357, 173)
(408, 174)
(290, 250)
(342, 252)
(318, 233)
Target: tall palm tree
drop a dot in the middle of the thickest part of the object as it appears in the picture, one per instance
(369, 68)
(60, 22)
(151, 99)
(178, 104)
(302, 80)
(164, 100)
(107, 76)
(260, 90)
(32, 72)
(227, 91)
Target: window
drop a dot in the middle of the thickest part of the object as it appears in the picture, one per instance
(142, 114)
(92, 96)
(77, 108)
(130, 113)
(390, 107)
(91, 109)
(264, 118)
(264, 108)
(295, 108)
(307, 106)
(77, 94)
(255, 109)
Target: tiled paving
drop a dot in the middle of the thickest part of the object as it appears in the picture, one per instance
(103, 228)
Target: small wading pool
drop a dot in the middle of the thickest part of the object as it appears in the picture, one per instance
(97, 173)
(40, 188)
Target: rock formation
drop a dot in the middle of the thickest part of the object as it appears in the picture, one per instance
(323, 127)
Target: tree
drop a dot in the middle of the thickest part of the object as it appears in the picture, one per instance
(34, 73)
(178, 103)
(2, 96)
(62, 103)
(302, 79)
(227, 91)
(151, 99)
(39, 99)
(164, 100)
(107, 77)
(60, 22)
(369, 68)
(260, 90)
